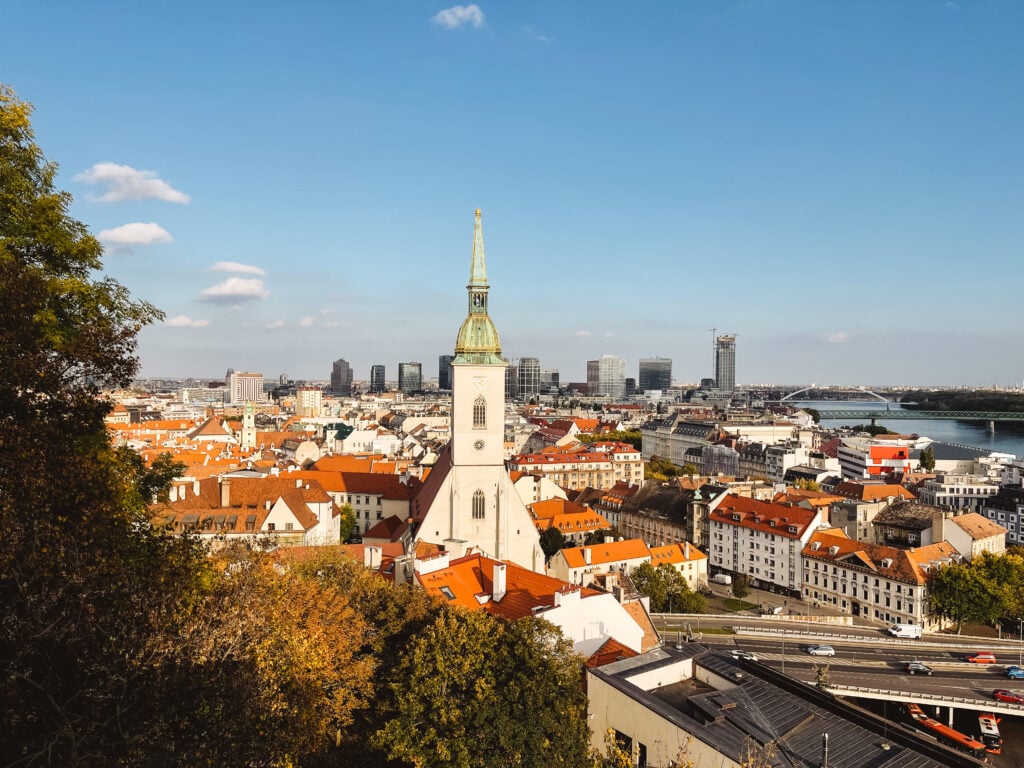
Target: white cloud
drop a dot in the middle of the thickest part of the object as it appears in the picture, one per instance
(184, 321)
(235, 289)
(123, 182)
(953, 6)
(234, 266)
(457, 15)
(275, 325)
(307, 322)
(528, 31)
(839, 337)
(136, 233)
(581, 332)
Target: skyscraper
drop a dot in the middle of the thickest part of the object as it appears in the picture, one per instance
(655, 373)
(410, 377)
(549, 380)
(529, 377)
(341, 377)
(725, 363)
(512, 382)
(606, 377)
(444, 372)
(377, 383)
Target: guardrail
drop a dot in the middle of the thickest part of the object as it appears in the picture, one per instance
(923, 698)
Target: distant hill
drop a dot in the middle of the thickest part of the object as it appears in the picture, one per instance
(959, 400)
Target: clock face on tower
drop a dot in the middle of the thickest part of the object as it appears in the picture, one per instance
(480, 382)
(479, 445)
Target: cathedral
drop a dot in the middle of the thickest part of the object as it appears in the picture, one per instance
(468, 501)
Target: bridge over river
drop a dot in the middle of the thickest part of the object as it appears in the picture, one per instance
(899, 413)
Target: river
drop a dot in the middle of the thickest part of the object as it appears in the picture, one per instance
(1008, 437)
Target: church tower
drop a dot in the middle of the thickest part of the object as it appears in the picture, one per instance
(248, 442)
(468, 500)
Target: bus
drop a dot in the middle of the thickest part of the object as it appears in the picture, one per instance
(945, 734)
(990, 737)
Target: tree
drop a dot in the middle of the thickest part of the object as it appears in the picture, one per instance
(598, 537)
(927, 459)
(551, 541)
(474, 690)
(667, 589)
(963, 593)
(740, 586)
(807, 485)
(347, 522)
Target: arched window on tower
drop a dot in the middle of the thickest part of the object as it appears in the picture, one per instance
(478, 505)
(480, 413)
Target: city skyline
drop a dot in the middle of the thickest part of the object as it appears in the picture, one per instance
(837, 184)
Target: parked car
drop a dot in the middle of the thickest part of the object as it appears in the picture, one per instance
(982, 657)
(746, 655)
(1015, 672)
(821, 650)
(1001, 694)
(917, 668)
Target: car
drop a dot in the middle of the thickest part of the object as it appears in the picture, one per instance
(821, 650)
(745, 655)
(1001, 694)
(917, 668)
(982, 657)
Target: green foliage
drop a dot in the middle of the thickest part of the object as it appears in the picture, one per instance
(598, 537)
(740, 585)
(814, 413)
(551, 541)
(632, 436)
(667, 589)
(807, 485)
(661, 469)
(983, 591)
(927, 459)
(475, 691)
(873, 429)
(347, 522)
(153, 482)
(977, 400)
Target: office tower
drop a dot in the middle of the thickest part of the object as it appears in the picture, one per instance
(512, 382)
(444, 372)
(725, 363)
(630, 386)
(309, 402)
(606, 377)
(529, 377)
(410, 377)
(377, 378)
(243, 387)
(549, 382)
(341, 378)
(655, 373)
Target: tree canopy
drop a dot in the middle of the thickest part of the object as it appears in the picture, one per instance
(667, 589)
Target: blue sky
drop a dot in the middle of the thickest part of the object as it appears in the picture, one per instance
(838, 183)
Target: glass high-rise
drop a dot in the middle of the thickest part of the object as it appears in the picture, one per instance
(341, 377)
(410, 377)
(377, 383)
(655, 373)
(444, 372)
(725, 363)
(606, 377)
(529, 377)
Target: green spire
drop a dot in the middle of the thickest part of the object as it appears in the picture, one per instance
(478, 341)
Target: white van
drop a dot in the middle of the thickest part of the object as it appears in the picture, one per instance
(722, 578)
(905, 630)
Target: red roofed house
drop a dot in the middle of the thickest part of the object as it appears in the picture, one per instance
(579, 565)
(762, 540)
(690, 562)
(873, 580)
(573, 520)
(478, 583)
(374, 497)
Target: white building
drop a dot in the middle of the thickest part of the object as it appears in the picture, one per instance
(244, 387)
(468, 501)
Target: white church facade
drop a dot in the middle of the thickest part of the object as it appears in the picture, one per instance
(468, 503)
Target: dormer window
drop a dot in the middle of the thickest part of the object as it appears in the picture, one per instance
(887, 563)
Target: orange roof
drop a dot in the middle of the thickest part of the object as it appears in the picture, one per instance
(610, 552)
(872, 491)
(675, 553)
(347, 462)
(388, 486)
(978, 526)
(833, 545)
(778, 519)
(468, 583)
(611, 650)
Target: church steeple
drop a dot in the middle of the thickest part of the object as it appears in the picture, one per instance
(478, 340)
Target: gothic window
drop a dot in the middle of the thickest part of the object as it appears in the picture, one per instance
(479, 413)
(478, 505)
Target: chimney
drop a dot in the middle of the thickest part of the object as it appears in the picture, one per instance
(195, 487)
(609, 539)
(267, 504)
(498, 582)
(686, 550)
(586, 555)
(371, 557)
(225, 491)
(298, 482)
